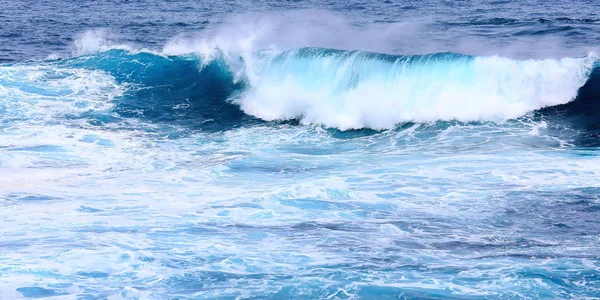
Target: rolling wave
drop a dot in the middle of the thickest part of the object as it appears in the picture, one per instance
(335, 88)
(353, 89)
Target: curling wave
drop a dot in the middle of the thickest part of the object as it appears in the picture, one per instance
(353, 89)
(335, 88)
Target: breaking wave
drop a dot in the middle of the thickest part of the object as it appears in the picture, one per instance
(335, 88)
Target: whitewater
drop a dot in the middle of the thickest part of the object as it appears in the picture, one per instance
(331, 153)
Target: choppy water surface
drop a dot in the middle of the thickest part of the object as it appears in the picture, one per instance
(299, 150)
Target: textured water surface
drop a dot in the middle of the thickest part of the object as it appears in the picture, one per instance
(299, 150)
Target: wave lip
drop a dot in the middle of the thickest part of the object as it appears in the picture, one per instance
(353, 89)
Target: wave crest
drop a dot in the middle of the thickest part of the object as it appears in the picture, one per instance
(354, 89)
(335, 88)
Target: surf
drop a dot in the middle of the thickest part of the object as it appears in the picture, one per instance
(334, 88)
(355, 89)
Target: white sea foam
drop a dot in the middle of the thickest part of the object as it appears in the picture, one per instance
(262, 49)
(362, 91)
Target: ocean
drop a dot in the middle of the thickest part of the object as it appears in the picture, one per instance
(299, 149)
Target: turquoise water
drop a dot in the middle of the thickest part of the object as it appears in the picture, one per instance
(260, 150)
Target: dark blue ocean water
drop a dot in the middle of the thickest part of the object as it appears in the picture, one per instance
(299, 150)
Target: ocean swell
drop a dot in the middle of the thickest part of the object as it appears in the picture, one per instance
(335, 88)
(353, 89)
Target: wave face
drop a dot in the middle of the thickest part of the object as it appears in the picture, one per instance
(352, 89)
(335, 88)
(175, 89)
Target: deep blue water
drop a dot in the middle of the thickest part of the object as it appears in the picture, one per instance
(299, 150)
